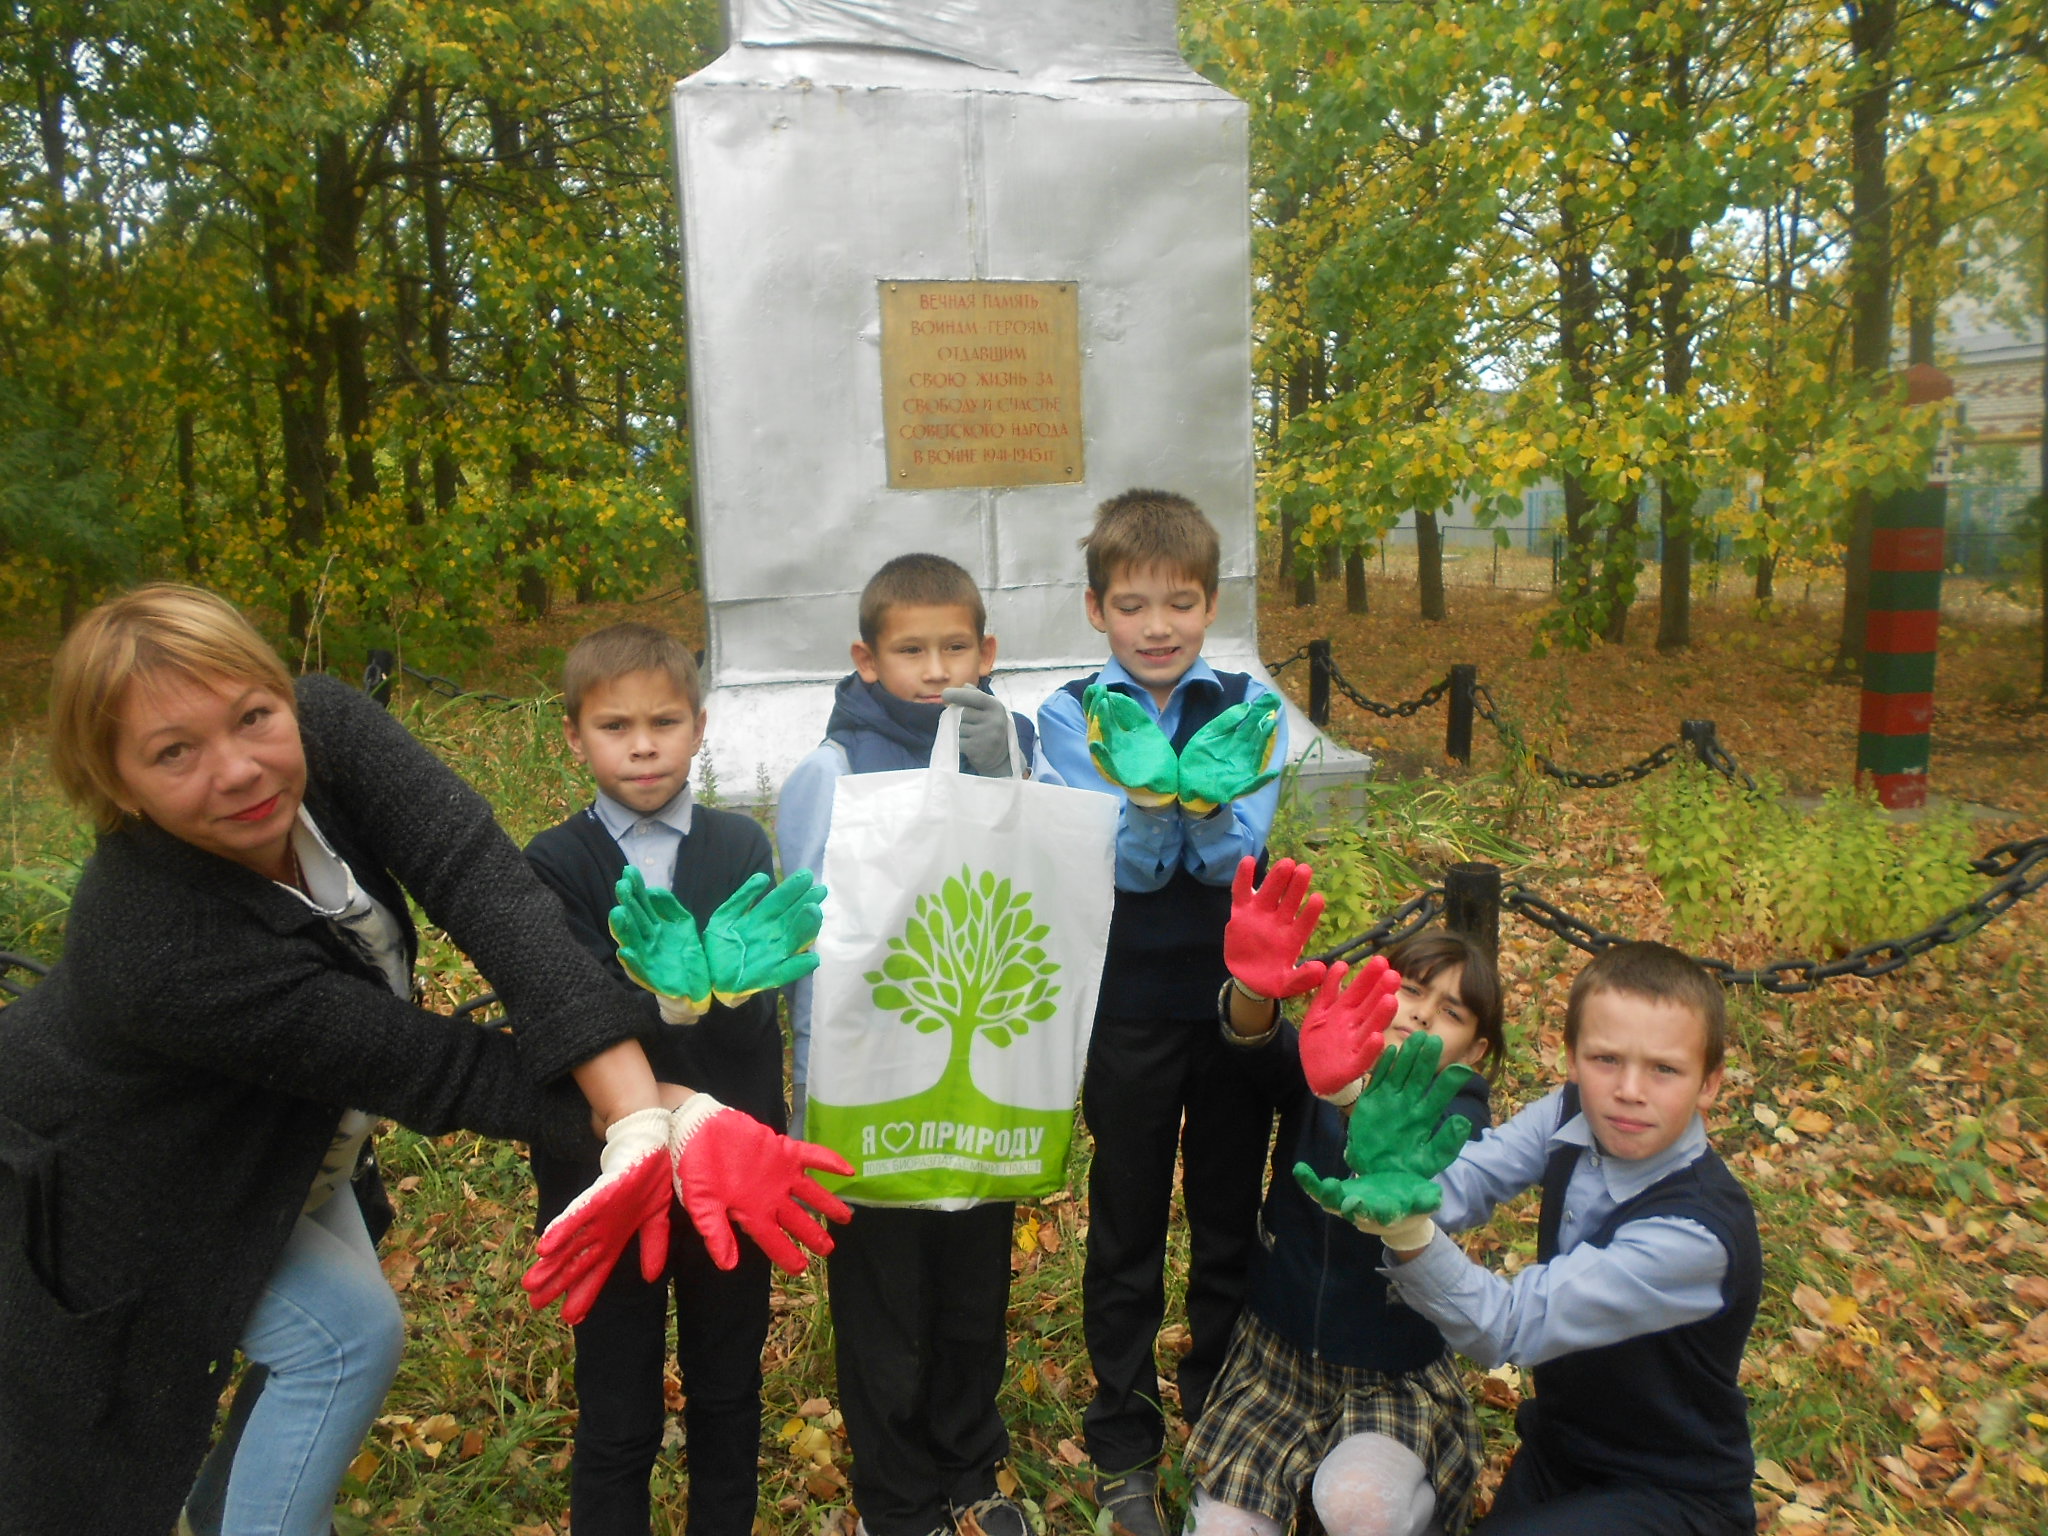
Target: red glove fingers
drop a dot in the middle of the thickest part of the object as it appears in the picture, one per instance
(583, 1244)
(730, 1168)
(1346, 1028)
(1269, 927)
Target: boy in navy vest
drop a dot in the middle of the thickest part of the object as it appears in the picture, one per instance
(1632, 1322)
(635, 718)
(918, 1297)
(1189, 749)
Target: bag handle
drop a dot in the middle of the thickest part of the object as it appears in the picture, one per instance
(946, 744)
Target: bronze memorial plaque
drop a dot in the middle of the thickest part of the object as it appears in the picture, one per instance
(981, 383)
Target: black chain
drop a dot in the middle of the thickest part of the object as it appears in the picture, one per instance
(1573, 778)
(1722, 761)
(9, 961)
(1413, 915)
(1299, 653)
(1430, 696)
(2022, 868)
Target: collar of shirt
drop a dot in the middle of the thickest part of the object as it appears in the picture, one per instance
(620, 821)
(1626, 1178)
(1199, 675)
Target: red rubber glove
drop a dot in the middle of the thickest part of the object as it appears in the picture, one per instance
(581, 1246)
(1346, 1028)
(729, 1167)
(1268, 928)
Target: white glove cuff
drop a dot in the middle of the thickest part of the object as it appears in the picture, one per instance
(1346, 1096)
(677, 1010)
(686, 1122)
(631, 1137)
(1409, 1233)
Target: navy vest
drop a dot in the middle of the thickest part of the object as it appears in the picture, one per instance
(1663, 1408)
(1166, 946)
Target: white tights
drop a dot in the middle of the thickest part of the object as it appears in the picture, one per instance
(1369, 1485)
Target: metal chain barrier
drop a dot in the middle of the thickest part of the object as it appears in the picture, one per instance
(10, 961)
(1402, 711)
(1573, 778)
(1412, 916)
(1299, 653)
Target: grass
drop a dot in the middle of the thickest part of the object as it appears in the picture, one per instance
(1894, 1134)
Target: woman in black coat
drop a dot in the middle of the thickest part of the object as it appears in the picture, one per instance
(180, 1095)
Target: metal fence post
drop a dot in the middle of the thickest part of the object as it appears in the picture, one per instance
(1472, 905)
(1458, 723)
(1699, 736)
(1319, 683)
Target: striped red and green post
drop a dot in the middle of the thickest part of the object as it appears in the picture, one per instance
(1904, 616)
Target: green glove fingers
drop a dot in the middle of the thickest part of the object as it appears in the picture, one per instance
(659, 947)
(1230, 757)
(1394, 1126)
(761, 938)
(1129, 749)
(1385, 1198)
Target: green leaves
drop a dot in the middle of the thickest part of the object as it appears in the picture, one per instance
(971, 958)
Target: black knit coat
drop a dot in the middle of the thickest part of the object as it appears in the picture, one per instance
(168, 1092)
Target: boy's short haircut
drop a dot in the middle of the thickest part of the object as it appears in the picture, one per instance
(619, 649)
(919, 581)
(1143, 529)
(1660, 973)
(1426, 955)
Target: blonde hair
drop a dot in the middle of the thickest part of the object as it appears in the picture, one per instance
(619, 649)
(165, 627)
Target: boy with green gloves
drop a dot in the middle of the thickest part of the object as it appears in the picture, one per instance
(1633, 1320)
(1194, 755)
(631, 869)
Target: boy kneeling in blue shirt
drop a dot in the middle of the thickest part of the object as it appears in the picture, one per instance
(1633, 1321)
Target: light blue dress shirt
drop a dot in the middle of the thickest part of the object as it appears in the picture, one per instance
(1153, 843)
(1657, 1273)
(649, 842)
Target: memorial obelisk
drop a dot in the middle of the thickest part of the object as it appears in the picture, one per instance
(956, 272)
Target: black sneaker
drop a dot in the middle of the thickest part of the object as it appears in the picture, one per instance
(1132, 1499)
(995, 1515)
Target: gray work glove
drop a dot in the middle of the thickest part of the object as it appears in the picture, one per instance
(984, 732)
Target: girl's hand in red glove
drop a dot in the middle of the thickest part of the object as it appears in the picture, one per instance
(1346, 1028)
(730, 1168)
(1269, 926)
(631, 1196)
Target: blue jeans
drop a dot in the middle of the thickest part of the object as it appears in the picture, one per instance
(329, 1330)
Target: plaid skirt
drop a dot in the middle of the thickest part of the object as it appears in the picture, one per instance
(1275, 1413)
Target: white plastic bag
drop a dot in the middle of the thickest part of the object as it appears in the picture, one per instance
(958, 969)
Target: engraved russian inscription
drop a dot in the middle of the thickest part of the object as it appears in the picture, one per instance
(981, 383)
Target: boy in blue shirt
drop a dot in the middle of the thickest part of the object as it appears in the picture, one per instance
(1633, 1320)
(1191, 752)
(919, 1297)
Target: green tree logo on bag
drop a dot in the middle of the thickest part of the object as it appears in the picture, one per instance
(971, 961)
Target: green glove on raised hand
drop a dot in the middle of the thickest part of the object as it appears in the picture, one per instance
(1398, 1142)
(756, 941)
(659, 948)
(1227, 758)
(1128, 747)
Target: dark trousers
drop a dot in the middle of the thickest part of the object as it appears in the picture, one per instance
(1535, 1501)
(918, 1317)
(621, 1347)
(1156, 1087)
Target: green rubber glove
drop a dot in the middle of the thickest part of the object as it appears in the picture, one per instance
(1128, 747)
(659, 948)
(1398, 1141)
(1227, 758)
(755, 941)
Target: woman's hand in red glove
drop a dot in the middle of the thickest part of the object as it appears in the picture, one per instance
(1346, 1028)
(1269, 926)
(730, 1168)
(631, 1196)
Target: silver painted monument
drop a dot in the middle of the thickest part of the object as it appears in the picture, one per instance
(890, 209)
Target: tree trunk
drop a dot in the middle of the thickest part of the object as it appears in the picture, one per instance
(1429, 564)
(1677, 495)
(1873, 28)
(440, 298)
(1294, 561)
(1576, 297)
(1766, 577)
(1355, 597)
(338, 201)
